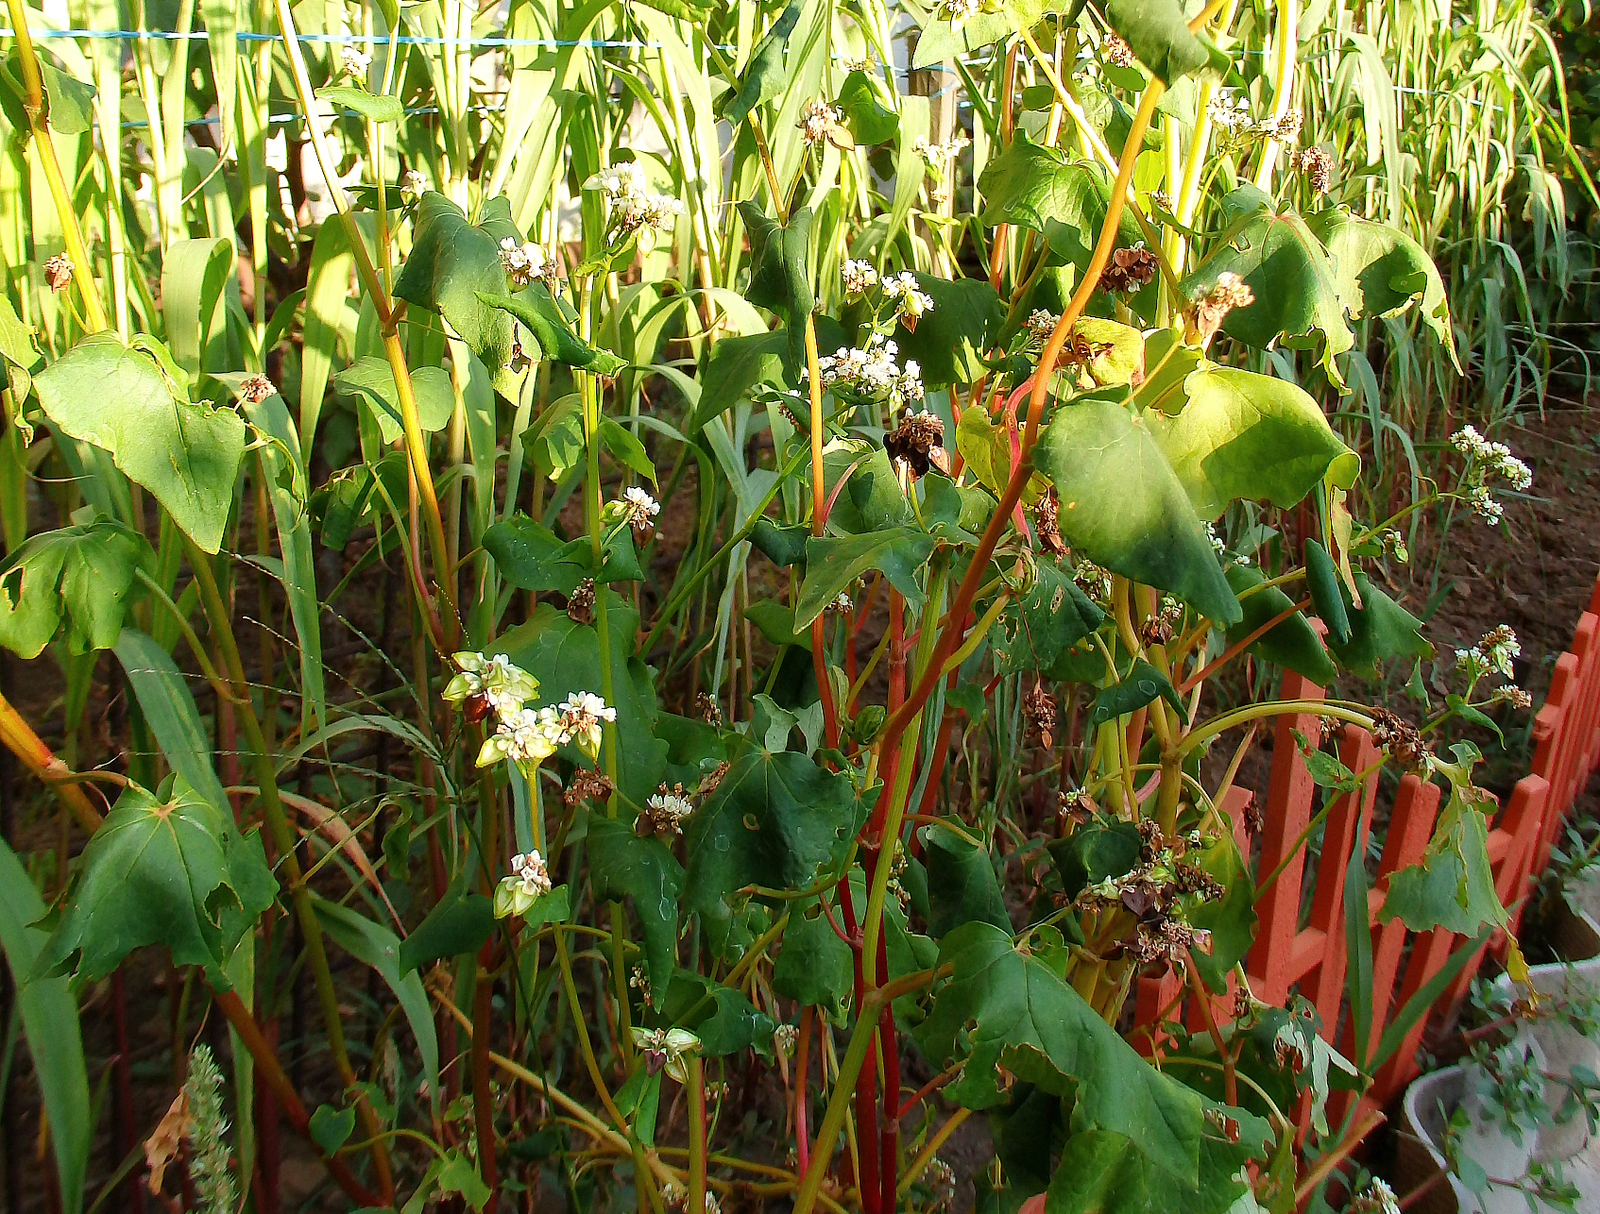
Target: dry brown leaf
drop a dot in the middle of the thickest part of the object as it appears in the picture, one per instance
(162, 1146)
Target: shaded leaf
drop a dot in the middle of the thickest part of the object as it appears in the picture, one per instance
(833, 564)
(1033, 631)
(454, 265)
(1157, 31)
(951, 341)
(1037, 187)
(1142, 684)
(1291, 643)
(866, 113)
(457, 925)
(764, 76)
(370, 381)
(170, 870)
(814, 966)
(536, 309)
(82, 574)
(622, 865)
(1380, 630)
(1125, 509)
(962, 886)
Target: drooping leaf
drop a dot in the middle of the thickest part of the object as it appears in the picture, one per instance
(869, 118)
(532, 557)
(454, 264)
(1291, 643)
(1118, 356)
(951, 341)
(814, 967)
(622, 865)
(1322, 580)
(1294, 281)
(536, 309)
(779, 278)
(872, 498)
(1243, 436)
(1124, 507)
(84, 573)
(370, 381)
(764, 75)
(457, 925)
(777, 819)
(1094, 852)
(70, 101)
(124, 400)
(1383, 272)
(1452, 885)
(736, 365)
(783, 544)
(833, 564)
(1066, 201)
(1157, 31)
(724, 1020)
(170, 870)
(330, 1128)
(1027, 1018)
(1033, 631)
(381, 950)
(1380, 630)
(380, 107)
(1142, 684)
(50, 1022)
(962, 886)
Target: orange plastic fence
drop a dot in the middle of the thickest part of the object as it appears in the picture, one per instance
(1306, 953)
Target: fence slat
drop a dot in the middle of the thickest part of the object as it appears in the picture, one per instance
(1347, 820)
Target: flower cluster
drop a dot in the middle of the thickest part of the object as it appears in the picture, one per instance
(917, 443)
(857, 276)
(528, 881)
(1040, 324)
(1400, 738)
(1316, 166)
(1485, 460)
(940, 156)
(871, 374)
(633, 204)
(913, 302)
(665, 812)
(354, 62)
(1208, 312)
(1495, 651)
(665, 1049)
(254, 389)
(959, 12)
(210, 1161)
(58, 271)
(823, 123)
(413, 185)
(1231, 111)
(484, 685)
(636, 508)
(525, 262)
(784, 1039)
(1128, 270)
(1159, 892)
(1092, 580)
(1116, 50)
(1376, 1198)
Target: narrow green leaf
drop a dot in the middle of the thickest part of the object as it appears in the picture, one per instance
(169, 710)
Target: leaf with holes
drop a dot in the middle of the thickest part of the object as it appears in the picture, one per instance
(1064, 200)
(1036, 629)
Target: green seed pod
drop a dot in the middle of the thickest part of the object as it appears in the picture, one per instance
(1322, 579)
(868, 723)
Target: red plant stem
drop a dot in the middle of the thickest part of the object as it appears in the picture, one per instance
(889, 1125)
(802, 1060)
(950, 639)
(941, 751)
(1243, 643)
(267, 1066)
(128, 1130)
(866, 1078)
(926, 1090)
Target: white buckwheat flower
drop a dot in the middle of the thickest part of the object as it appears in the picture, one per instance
(1508, 467)
(633, 204)
(354, 62)
(525, 262)
(1470, 443)
(913, 301)
(1041, 323)
(857, 276)
(413, 185)
(496, 682)
(959, 12)
(1230, 111)
(1376, 1198)
(940, 156)
(1473, 663)
(528, 881)
(580, 716)
(666, 810)
(523, 736)
(1499, 647)
(818, 120)
(638, 507)
(784, 1039)
(1485, 507)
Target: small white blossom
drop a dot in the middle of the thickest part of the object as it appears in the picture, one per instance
(666, 810)
(914, 302)
(354, 62)
(1512, 695)
(843, 603)
(784, 1038)
(818, 120)
(413, 185)
(959, 12)
(1473, 663)
(528, 881)
(505, 685)
(580, 716)
(940, 156)
(1500, 646)
(665, 1049)
(524, 736)
(637, 507)
(1485, 507)
(1469, 442)
(633, 204)
(1376, 1198)
(525, 262)
(1509, 468)
(857, 276)
(1230, 111)
(1041, 324)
